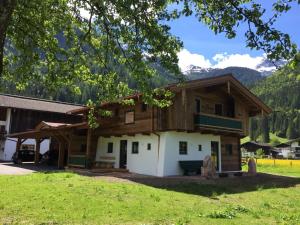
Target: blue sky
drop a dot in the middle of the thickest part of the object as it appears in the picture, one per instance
(199, 40)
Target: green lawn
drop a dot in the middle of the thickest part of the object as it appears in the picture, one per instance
(273, 139)
(278, 170)
(67, 198)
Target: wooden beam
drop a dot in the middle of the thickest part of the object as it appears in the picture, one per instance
(18, 146)
(228, 87)
(37, 151)
(88, 146)
(61, 154)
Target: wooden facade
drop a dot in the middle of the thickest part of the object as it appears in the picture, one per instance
(219, 106)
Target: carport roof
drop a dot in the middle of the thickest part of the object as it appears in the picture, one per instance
(47, 129)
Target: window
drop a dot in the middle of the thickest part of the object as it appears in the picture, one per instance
(149, 146)
(135, 147)
(199, 148)
(129, 117)
(182, 148)
(110, 147)
(144, 107)
(219, 109)
(228, 149)
(198, 106)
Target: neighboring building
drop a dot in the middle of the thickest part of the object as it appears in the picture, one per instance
(18, 113)
(290, 149)
(295, 147)
(207, 117)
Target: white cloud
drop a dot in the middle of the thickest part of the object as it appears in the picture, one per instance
(187, 58)
(222, 60)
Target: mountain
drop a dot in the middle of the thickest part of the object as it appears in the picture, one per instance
(245, 75)
(281, 92)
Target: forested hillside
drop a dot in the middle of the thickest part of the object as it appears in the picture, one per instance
(280, 91)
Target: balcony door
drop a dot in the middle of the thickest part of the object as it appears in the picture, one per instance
(215, 155)
(231, 107)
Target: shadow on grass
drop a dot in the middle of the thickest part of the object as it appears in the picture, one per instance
(191, 185)
(214, 187)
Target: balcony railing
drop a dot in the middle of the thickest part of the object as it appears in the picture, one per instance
(219, 122)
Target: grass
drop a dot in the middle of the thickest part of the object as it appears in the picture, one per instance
(278, 170)
(273, 139)
(67, 198)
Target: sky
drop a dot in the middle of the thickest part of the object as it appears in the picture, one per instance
(205, 49)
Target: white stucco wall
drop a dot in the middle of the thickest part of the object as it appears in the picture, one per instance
(170, 150)
(295, 144)
(153, 162)
(10, 147)
(145, 162)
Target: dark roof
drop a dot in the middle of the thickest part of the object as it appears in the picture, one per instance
(283, 145)
(22, 102)
(253, 146)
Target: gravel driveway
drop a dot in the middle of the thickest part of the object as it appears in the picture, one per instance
(8, 168)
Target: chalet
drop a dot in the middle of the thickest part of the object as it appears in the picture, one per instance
(18, 113)
(207, 117)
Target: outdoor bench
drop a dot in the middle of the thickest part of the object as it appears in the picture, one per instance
(191, 166)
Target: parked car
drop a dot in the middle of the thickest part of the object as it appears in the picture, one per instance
(24, 156)
(49, 158)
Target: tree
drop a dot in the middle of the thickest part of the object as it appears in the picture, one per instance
(117, 38)
(265, 129)
(290, 132)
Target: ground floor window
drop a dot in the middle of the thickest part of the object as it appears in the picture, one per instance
(149, 146)
(182, 147)
(199, 148)
(110, 147)
(135, 147)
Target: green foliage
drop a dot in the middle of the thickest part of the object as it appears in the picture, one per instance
(265, 129)
(116, 44)
(281, 92)
(259, 153)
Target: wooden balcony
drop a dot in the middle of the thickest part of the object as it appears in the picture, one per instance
(218, 122)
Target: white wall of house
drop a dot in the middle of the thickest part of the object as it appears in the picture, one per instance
(145, 162)
(170, 150)
(162, 159)
(295, 144)
(10, 147)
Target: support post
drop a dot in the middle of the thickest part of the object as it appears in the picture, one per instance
(61, 154)
(37, 151)
(88, 147)
(18, 146)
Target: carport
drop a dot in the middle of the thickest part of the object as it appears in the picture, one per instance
(61, 132)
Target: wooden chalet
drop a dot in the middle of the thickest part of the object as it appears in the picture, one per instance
(207, 117)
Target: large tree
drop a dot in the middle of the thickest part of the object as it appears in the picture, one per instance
(105, 43)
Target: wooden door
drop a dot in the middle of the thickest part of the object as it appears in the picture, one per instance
(123, 154)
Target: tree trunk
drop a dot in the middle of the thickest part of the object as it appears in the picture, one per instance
(6, 10)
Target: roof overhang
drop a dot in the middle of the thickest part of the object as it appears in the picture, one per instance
(206, 82)
(47, 129)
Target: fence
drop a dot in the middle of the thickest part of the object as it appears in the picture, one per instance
(278, 162)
